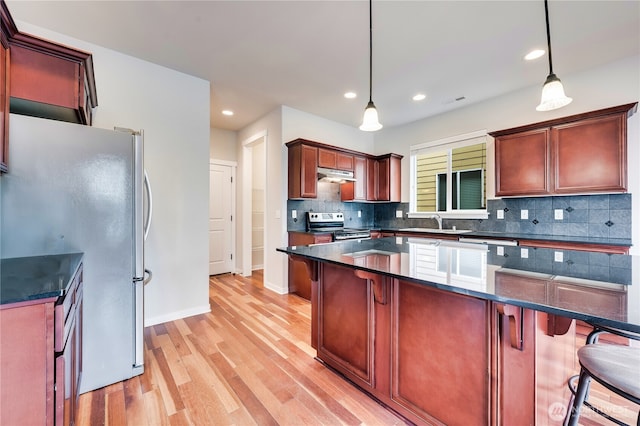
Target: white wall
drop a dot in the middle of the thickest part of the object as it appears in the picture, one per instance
(611, 85)
(223, 145)
(275, 222)
(299, 124)
(173, 110)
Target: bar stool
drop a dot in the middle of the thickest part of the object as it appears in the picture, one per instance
(616, 367)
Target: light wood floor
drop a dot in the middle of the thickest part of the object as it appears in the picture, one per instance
(247, 362)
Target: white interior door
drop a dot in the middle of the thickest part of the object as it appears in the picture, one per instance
(220, 219)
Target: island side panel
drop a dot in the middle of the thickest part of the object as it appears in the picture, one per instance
(440, 354)
(346, 325)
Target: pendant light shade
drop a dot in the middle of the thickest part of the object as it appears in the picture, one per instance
(370, 121)
(553, 96)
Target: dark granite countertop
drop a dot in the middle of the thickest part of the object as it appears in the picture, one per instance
(625, 242)
(36, 277)
(473, 269)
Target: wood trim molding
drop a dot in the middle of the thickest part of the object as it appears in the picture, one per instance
(515, 315)
(379, 285)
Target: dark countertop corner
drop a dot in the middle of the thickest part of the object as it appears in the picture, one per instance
(37, 277)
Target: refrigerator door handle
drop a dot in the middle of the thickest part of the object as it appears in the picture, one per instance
(147, 222)
(149, 276)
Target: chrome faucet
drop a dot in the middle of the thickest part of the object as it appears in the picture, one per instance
(438, 218)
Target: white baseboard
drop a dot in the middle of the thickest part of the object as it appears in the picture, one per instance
(276, 288)
(177, 315)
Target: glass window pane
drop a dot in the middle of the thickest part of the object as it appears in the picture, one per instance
(428, 166)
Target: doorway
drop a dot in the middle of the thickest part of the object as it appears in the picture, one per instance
(221, 217)
(254, 202)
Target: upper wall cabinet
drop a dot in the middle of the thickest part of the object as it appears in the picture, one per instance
(49, 80)
(580, 154)
(377, 178)
(7, 30)
(303, 170)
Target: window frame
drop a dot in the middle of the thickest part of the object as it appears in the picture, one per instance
(447, 144)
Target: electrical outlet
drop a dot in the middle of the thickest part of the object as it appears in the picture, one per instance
(359, 213)
(524, 253)
(557, 214)
(557, 256)
(399, 214)
(500, 251)
(500, 214)
(524, 214)
(294, 214)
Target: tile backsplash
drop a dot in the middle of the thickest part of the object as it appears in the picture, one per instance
(595, 216)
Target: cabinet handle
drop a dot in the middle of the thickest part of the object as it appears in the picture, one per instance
(515, 315)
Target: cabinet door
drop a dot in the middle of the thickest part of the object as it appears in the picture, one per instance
(344, 161)
(431, 335)
(522, 163)
(356, 191)
(327, 158)
(590, 155)
(372, 179)
(4, 105)
(303, 171)
(346, 324)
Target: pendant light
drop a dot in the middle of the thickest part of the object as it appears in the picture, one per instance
(370, 121)
(553, 96)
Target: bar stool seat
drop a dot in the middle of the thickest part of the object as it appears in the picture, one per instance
(616, 367)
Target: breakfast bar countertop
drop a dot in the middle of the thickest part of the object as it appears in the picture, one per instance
(511, 274)
(36, 277)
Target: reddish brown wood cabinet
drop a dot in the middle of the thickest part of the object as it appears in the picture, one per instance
(356, 191)
(384, 178)
(334, 159)
(299, 280)
(378, 178)
(7, 30)
(406, 344)
(41, 359)
(303, 171)
(585, 153)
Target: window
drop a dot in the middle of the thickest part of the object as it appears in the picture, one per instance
(448, 177)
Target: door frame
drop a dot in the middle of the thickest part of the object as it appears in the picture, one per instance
(233, 165)
(247, 182)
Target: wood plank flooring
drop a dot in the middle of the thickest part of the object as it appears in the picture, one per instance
(248, 362)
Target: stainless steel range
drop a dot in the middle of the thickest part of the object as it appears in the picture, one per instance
(334, 223)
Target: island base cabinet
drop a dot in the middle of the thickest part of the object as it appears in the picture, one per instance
(346, 324)
(439, 341)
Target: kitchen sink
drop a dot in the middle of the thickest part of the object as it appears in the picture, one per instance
(436, 231)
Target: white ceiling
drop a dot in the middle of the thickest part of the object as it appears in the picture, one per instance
(306, 54)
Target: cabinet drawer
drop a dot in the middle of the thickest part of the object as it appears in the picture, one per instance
(64, 312)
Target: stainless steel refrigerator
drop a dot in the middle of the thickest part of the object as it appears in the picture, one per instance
(77, 188)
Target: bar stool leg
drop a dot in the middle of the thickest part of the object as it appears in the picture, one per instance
(581, 394)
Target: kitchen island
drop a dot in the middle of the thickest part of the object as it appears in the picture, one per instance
(444, 332)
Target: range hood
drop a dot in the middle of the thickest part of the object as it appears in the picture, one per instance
(335, 176)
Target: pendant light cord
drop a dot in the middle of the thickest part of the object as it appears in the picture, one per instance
(546, 13)
(371, 53)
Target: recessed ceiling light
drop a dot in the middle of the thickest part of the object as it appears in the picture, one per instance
(227, 112)
(419, 97)
(350, 95)
(534, 54)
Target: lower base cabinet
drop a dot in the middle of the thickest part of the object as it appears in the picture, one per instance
(437, 357)
(41, 359)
